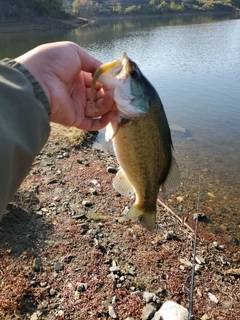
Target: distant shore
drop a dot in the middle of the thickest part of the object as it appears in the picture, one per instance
(28, 23)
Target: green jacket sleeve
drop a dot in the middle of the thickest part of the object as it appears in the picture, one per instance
(24, 126)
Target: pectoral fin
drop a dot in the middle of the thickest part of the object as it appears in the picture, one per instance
(122, 184)
(172, 181)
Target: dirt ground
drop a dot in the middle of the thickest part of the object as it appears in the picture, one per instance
(66, 251)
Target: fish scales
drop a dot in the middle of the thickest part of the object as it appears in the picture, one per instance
(141, 138)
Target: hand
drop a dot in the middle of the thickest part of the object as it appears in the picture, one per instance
(64, 71)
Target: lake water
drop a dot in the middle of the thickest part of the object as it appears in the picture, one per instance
(194, 63)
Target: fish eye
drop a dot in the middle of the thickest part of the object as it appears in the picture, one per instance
(134, 74)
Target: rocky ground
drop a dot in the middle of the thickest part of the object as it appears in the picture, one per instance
(66, 251)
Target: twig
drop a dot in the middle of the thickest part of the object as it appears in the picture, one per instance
(175, 215)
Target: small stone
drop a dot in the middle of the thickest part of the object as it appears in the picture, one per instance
(76, 295)
(148, 312)
(39, 214)
(61, 313)
(186, 262)
(36, 315)
(52, 292)
(112, 312)
(37, 264)
(215, 244)
(180, 199)
(227, 305)
(169, 235)
(148, 296)
(170, 310)
(112, 276)
(43, 284)
(199, 216)
(200, 260)
(57, 199)
(205, 317)
(114, 299)
(114, 269)
(211, 195)
(234, 272)
(87, 203)
(112, 170)
(95, 183)
(137, 293)
(82, 286)
(66, 154)
(93, 191)
(58, 266)
(198, 267)
(213, 298)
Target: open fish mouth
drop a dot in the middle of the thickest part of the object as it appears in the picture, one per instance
(121, 75)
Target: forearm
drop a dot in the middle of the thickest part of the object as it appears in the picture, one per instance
(24, 126)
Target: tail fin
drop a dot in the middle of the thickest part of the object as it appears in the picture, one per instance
(146, 218)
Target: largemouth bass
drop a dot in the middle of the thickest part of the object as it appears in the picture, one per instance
(141, 139)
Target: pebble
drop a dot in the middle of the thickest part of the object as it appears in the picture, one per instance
(114, 269)
(39, 214)
(180, 199)
(112, 312)
(148, 296)
(200, 260)
(36, 315)
(76, 295)
(199, 216)
(82, 286)
(169, 235)
(61, 313)
(37, 264)
(170, 310)
(58, 266)
(95, 183)
(148, 312)
(205, 317)
(52, 292)
(87, 203)
(227, 305)
(112, 170)
(234, 272)
(213, 298)
(186, 262)
(215, 244)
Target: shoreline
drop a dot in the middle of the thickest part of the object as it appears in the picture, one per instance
(31, 23)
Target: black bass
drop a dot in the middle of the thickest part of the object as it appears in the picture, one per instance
(141, 139)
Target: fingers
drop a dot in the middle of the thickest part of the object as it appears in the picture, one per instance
(103, 104)
(90, 124)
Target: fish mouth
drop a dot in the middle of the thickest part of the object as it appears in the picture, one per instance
(118, 69)
(117, 75)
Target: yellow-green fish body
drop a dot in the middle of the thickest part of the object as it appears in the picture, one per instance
(141, 139)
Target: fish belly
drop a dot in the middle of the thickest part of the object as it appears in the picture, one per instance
(144, 153)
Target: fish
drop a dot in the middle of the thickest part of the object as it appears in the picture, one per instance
(141, 139)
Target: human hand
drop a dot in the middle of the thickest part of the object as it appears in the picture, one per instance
(64, 71)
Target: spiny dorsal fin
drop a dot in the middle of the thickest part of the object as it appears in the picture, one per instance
(122, 184)
(172, 181)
